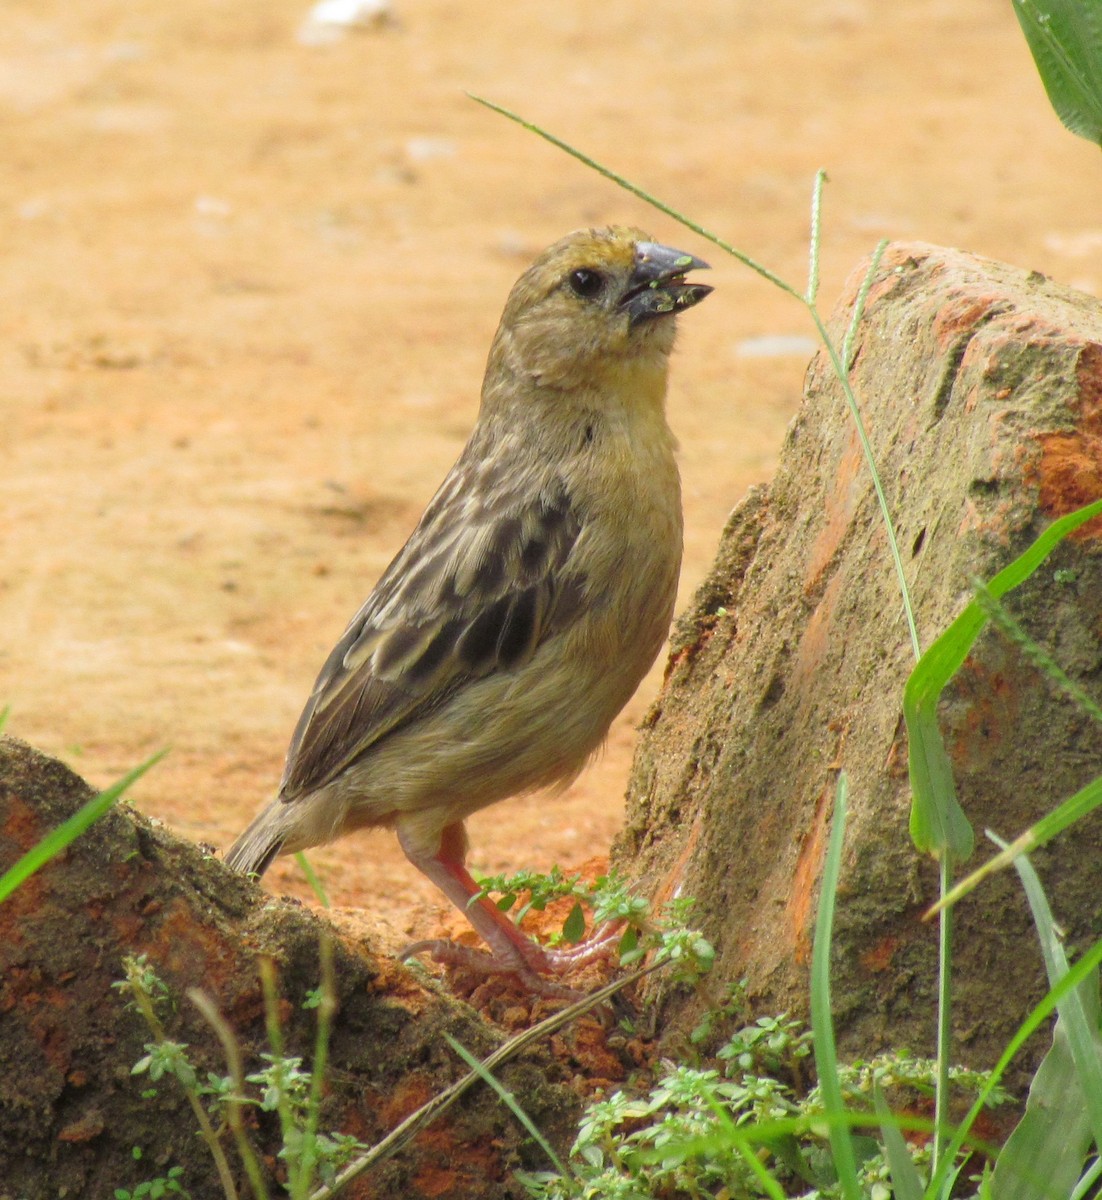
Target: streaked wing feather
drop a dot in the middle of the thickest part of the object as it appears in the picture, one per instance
(481, 583)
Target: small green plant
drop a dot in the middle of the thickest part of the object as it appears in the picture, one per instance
(283, 1086)
(168, 1184)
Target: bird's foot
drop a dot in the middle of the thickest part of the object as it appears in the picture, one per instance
(602, 943)
(480, 962)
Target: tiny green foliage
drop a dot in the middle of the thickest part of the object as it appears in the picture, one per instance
(753, 1128)
(168, 1184)
(771, 1045)
(166, 1058)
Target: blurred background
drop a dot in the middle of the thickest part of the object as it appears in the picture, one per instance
(251, 264)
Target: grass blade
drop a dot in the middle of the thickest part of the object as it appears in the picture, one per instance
(68, 831)
(1067, 1097)
(510, 1101)
(906, 1181)
(1085, 967)
(822, 1023)
(1041, 832)
(313, 879)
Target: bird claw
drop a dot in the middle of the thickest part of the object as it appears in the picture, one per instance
(449, 953)
(601, 943)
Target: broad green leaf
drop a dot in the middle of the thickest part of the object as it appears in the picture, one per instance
(1065, 39)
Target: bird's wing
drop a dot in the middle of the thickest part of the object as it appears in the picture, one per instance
(482, 581)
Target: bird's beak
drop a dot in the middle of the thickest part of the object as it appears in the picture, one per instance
(657, 286)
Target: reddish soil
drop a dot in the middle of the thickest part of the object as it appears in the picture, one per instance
(248, 286)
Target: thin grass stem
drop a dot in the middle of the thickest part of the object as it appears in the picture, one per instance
(822, 1021)
(510, 1101)
(236, 1102)
(944, 1017)
(639, 192)
(206, 1129)
(404, 1133)
(327, 1008)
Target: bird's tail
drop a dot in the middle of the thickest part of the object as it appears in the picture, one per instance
(254, 850)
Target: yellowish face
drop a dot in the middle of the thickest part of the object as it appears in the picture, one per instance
(597, 293)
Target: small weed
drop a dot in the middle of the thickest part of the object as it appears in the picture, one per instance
(283, 1086)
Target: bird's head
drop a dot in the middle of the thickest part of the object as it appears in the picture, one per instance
(596, 298)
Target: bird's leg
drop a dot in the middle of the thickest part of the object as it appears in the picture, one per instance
(512, 951)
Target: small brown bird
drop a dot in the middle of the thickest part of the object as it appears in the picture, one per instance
(530, 600)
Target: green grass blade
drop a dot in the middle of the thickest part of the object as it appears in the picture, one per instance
(938, 823)
(822, 1021)
(637, 191)
(1075, 1078)
(906, 1181)
(1084, 968)
(510, 1102)
(1090, 1177)
(1073, 809)
(1065, 39)
(1000, 617)
(312, 878)
(1043, 1156)
(68, 831)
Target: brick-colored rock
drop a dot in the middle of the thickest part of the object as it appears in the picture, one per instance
(981, 389)
(71, 1112)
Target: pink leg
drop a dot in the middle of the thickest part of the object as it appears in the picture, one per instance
(512, 951)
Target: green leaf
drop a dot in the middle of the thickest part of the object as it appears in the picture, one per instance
(68, 831)
(573, 929)
(1065, 39)
(938, 824)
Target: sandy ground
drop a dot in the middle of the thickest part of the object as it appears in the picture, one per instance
(248, 286)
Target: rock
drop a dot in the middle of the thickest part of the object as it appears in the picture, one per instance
(981, 389)
(70, 1109)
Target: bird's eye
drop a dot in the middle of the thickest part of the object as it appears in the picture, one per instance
(586, 283)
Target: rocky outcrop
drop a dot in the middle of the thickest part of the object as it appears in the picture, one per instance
(981, 389)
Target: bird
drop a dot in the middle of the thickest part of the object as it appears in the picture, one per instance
(528, 603)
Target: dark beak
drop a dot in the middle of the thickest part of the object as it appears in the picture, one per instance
(657, 287)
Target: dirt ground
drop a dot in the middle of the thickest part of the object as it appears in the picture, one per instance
(249, 283)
